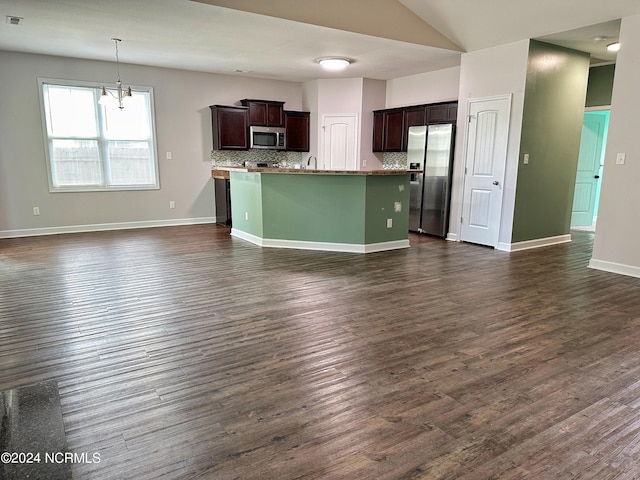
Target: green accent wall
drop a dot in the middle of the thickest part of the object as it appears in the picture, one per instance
(350, 209)
(555, 93)
(600, 86)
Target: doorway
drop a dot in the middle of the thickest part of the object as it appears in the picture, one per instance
(485, 163)
(584, 212)
(339, 142)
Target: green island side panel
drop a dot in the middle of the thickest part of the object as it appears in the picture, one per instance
(314, 207)
(383, 192)
(246, 202)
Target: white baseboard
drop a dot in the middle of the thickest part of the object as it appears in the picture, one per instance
(537, 243)
(98, 227)
(453, 237)
(322, 246)
(613, 267)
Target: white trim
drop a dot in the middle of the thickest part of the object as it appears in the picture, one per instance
(321, 246)
(452, 237)
(613, 267)
(537, 243)
(98, 227)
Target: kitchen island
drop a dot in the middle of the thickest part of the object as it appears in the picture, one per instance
(347, 211)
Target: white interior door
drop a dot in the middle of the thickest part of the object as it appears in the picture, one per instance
(590, 159)
(339, 142)
(485, 162)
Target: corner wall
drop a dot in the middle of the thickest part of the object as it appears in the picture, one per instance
(616, 239)
(486, 73)
(551, 128)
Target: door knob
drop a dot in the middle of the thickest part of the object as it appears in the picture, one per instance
(496, 182)
(596, 176)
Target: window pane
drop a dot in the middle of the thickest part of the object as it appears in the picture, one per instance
(70, 111)
(130, 123)
(130, 163)
(75, 162)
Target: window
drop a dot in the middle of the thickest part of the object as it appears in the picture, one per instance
(98, 147)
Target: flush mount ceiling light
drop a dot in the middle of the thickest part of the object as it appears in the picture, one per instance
(121, 92)
(613, 47)
(334, 63)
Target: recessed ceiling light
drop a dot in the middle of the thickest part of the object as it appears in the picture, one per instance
(613, 47)
(334, 63)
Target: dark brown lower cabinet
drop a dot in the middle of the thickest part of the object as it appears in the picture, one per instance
(222, 188)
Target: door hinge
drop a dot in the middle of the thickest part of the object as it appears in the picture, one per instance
(461, 220)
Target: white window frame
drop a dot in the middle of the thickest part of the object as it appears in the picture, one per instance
(101, 139)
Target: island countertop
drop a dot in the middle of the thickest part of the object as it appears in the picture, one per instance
(223, 172)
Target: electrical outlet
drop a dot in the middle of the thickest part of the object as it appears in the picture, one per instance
(525, 160)
(397, 207)
(36, 210)
(169, 156)
(246, 215)
(172, 204)
(389, 222)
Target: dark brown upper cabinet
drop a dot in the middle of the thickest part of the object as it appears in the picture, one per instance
(378, 131)
(265, 113)
(444, 113)
(391, 126)
(229, 127)
(413, 117)
(388, 130)
(297, 131)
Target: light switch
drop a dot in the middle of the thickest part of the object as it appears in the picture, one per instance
(620, 158)
(525, 160)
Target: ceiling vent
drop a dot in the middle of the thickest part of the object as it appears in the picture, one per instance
(13, 20)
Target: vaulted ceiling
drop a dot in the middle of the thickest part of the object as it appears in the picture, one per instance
(280, 39)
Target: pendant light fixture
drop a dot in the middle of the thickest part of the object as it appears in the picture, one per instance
(121, 92)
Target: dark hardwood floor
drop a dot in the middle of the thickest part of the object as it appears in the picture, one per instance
(181, 353)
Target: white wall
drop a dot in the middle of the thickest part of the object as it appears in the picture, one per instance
(485, 73)
(352, 96)
(431, 87)
(373, 98)
(183, 127)
(618, 228)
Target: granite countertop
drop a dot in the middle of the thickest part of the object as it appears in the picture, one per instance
(223, 172)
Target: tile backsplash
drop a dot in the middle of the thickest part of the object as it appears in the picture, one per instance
(236, 158)
(394, 160)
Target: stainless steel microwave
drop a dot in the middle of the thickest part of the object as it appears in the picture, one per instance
(272, 138)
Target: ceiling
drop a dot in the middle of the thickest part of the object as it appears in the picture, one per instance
(385, 38)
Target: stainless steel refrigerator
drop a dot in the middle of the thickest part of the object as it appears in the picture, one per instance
(430, 150)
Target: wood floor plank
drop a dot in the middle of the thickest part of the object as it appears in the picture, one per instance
(184, 353)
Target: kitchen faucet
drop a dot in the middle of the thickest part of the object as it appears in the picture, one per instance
(315, 162)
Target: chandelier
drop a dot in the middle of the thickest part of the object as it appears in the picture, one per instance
(121, 92)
